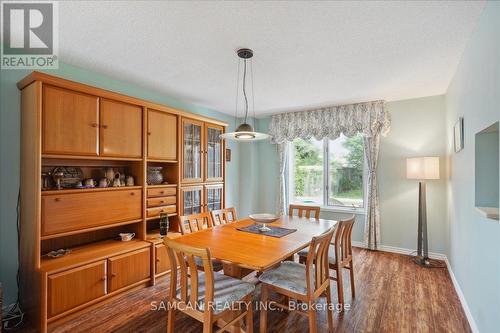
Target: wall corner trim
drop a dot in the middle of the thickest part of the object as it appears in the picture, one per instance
(439, 256)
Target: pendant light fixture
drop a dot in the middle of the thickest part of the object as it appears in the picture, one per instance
(245, 131)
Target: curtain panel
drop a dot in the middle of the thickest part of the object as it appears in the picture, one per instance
(370, 119)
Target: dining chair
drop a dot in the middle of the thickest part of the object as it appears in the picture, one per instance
(205, 296)
(197, 222)
(304, 211)
(303, 282)
(223, 216)
(339, 256)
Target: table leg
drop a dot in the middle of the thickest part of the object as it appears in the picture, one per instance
(235, 271)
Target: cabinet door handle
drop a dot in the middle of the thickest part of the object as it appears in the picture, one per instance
(149, 133)
(57, 199)
(161, 192)
(113, 274)
(157, 260)
(104, 126)
(132, 193)
(103, 278)
(162, 201)
(94, 125)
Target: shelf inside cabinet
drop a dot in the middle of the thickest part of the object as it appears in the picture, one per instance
(154, 236)
(90, 253)
(162, 161)
(86, 190)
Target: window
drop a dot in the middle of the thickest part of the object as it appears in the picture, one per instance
(327, 172)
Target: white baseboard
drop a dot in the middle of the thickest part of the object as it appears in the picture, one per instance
(432, 255)
(400, 250)
(461, 296)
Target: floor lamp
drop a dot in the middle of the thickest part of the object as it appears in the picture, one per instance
(422, 169)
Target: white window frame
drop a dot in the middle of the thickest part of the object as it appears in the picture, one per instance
(326, 180)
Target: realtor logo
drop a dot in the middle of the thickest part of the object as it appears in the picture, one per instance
(29, 35)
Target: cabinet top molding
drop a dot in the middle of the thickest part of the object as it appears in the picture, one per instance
(103, 93)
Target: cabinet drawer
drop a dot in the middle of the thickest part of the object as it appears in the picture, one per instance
(75, 287)
(152, 212)
(162, 261)
(128, 268)
(161, 201)
(69, 212)
(161, 192)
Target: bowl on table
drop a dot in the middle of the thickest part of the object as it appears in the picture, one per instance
(264, 219)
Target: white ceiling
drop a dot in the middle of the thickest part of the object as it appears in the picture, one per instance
(306, 53)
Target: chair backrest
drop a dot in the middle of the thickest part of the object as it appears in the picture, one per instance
(317, 261)
(223, 216)
(189, 288)
(304, 211)
(342, 239)
(195, 222)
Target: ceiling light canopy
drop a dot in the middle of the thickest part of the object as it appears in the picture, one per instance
(244, 131)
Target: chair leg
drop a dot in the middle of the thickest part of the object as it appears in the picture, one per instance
(171, 321)
(302, 260)
(329, 311)
(340, 286)
(263, 310)
(249, 319)
(312, 318)
(351, 269)
(207, 324)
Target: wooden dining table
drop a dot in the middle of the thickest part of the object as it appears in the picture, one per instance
(243, 252)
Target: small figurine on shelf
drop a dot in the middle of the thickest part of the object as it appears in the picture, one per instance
(57, 178)
(46, 180)
(109, 173)
(103, 182)
(89, 183)
(130, 181)
(122, 179)
(163, 224)
(116, 181)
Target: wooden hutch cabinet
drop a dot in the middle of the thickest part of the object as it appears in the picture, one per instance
(75, 132)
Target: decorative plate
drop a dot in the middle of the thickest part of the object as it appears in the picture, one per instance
(58, 253)
(72, 176)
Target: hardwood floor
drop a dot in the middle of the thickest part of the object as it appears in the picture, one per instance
(393, 295)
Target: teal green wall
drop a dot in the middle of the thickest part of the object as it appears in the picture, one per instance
(474, 93)
(417, 129)
(9, 152)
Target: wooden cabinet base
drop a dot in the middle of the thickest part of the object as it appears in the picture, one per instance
(88, 277)
(96, 303)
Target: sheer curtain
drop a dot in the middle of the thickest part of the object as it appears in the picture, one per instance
(283, 158)
(369, 118)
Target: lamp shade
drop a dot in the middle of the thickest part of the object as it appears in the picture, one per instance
(422, 168)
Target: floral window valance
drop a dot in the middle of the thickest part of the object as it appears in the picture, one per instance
(368, 118)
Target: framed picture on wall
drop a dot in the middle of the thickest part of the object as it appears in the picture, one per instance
(458, 135)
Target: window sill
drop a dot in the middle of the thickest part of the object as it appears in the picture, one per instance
(345, 210)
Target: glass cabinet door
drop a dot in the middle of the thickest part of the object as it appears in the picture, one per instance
(192, 150)
(214, 149)
(192, 200)
(214, 196)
